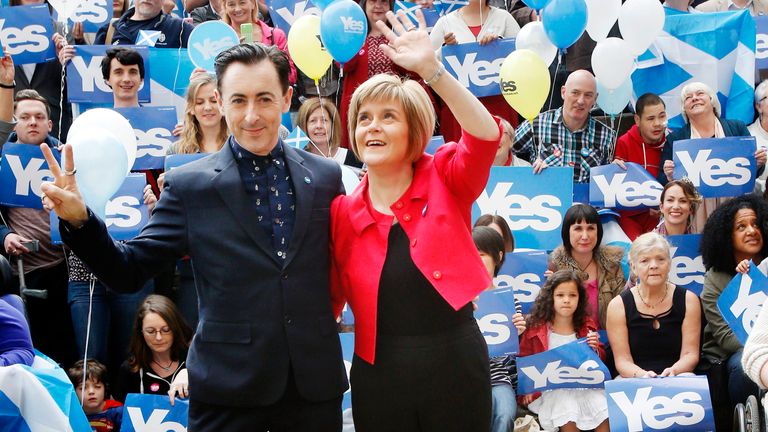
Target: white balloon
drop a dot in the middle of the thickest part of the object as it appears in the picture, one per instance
(117, 124)
(640, 21)
(601, 16)
(612, 62)
(533, 37)
(350, 179)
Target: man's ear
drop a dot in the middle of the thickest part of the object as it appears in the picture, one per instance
(219, 101)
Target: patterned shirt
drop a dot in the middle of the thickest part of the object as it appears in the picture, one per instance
(556, 145)
(268, 183)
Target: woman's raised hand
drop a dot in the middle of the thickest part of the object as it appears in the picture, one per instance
(409, 45)
(62, 195)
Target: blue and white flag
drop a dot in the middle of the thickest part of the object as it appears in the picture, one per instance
(573, 365)
(716, 48)
(285, 12)
(671, 404)
(26, 32)
(92, 14)
(477, 66)
(297, 138)
(85, 82)
(611, 186)
(532, 204)
(207, 40)
(687, 267)
(154, 413)
(434, 143)
(148, 38)
(153, 127)
(169, 81)
(741, 301)
(431, 15)
(494, 317)
(347, 353)
(177, 160)
(523, 271)
(39, 398)
(448, 6)
(126, 213)
(717, 167)
(23, 170)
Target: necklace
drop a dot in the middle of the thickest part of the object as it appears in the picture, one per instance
(584, 273)
(640, 294)
(165, 368)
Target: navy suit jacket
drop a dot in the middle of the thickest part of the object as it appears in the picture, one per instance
(258, 315)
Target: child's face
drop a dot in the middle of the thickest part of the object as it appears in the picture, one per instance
(566, 299)
(490, 265)
(93, 401)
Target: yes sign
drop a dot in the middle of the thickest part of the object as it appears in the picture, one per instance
(494, 317)
(22, 170)
(431, 15)
(153, 127)
(93, 14)
(477, 66)
(663, 404)
(633, 189)
(533, 205)
(718, 167)
(85, 82)
(761, 47)
(741, 301)
(524, 273)
(26, 32)
(687, 268)
(207, 40)
(153, 413)
(285, 12)
(573, 365)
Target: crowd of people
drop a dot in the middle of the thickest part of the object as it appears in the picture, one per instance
(232, 293)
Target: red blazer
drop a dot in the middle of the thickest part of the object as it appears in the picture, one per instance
(435, 213)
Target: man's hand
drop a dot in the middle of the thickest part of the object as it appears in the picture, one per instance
(62, 195)
(13, 244)
(7, 73)
(669, 168)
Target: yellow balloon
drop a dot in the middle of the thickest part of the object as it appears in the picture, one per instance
(525, 82)
(307, 51)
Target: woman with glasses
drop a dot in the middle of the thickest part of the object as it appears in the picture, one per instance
(158, 349)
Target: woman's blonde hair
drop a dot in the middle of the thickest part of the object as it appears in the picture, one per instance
(418, 109)
(254, 13)
(191, 134)
(332, 116)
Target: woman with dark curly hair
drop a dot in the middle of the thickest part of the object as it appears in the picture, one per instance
(733, 232)
(599, 267)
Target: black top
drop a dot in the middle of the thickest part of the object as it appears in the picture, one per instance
(408, 305)
(131, 382)
(655, 349)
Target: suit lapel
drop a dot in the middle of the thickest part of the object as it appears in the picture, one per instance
(229, 185)
(21, 76)
(304, 190)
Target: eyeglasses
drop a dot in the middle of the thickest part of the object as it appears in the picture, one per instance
(165, 331)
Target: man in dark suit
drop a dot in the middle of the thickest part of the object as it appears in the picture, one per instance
(254, 218)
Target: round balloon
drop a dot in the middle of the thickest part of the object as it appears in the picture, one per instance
(601, 16)
(101, 165)
(564, 21)
(640, 21)
(533, 37)
(103, 117)
(524, 82)
(613, 101)
(343, 29)
(612, 62)
(322, 4)
(207, 40)
(536, 4)
(307, 52)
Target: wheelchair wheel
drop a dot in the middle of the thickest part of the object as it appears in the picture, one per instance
(739, 419)
(752, 414)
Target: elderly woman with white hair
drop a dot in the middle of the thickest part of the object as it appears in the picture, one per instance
(759, 129)
(701, 111)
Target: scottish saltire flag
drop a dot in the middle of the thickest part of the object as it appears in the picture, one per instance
(39, 398)
(297, 138)
(448, 6)
(716, 48)
(148, 37)
(431, 15)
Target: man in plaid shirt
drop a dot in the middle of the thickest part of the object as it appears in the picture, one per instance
(567, 136)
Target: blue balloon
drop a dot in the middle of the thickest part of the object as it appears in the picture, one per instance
(613, 102)
(536, 4)
(343, 29)
(207, 40)
(101, 164)
(564, 21)
(322, 4)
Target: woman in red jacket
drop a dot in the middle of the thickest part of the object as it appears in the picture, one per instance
(403, 254)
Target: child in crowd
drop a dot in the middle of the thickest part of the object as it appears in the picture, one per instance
(560, 316)
(103, 415)
(490, 245)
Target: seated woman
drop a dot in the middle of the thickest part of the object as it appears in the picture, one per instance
(654, 327)
(320, 120)
(598, 266)
(733, 233)
(678, 202)
(158, 349)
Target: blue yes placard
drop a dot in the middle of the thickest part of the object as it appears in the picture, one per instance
(153, 127)
(573, 365)
(22, 170)
(741, 301)
(431, 15)
(92, 14)
(523, 272)
(672, 404)
(26, 32)
(207, 40)
(532, 204)
(477, 66)
(718, 167)
(611, 186)
(145, 412)
(85, 82)
(177, 160)
(285, 12)
(494, 317)
(687, 267)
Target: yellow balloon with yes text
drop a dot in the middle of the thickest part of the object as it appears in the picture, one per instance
(524, 80)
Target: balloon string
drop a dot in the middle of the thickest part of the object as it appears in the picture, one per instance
(554, 79)
(62, 86)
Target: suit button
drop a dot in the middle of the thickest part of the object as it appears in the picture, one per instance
(399, 205)
(288, 319)
(407, 217)
(437, 275)
(284, 276)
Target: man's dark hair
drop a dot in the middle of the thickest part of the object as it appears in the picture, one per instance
(125, 56)
(646, 100)
(251, 54)
(31, 94)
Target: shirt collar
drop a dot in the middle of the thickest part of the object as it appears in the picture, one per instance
(557, 118)
(241, 154)
(732, 6)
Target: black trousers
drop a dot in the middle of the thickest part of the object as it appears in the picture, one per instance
(291, 413)
(424, 383)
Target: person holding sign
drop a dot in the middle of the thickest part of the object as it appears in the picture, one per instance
(654, 327)
(734, 232)
(418, 348)
(559, 316)
(677, 205)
